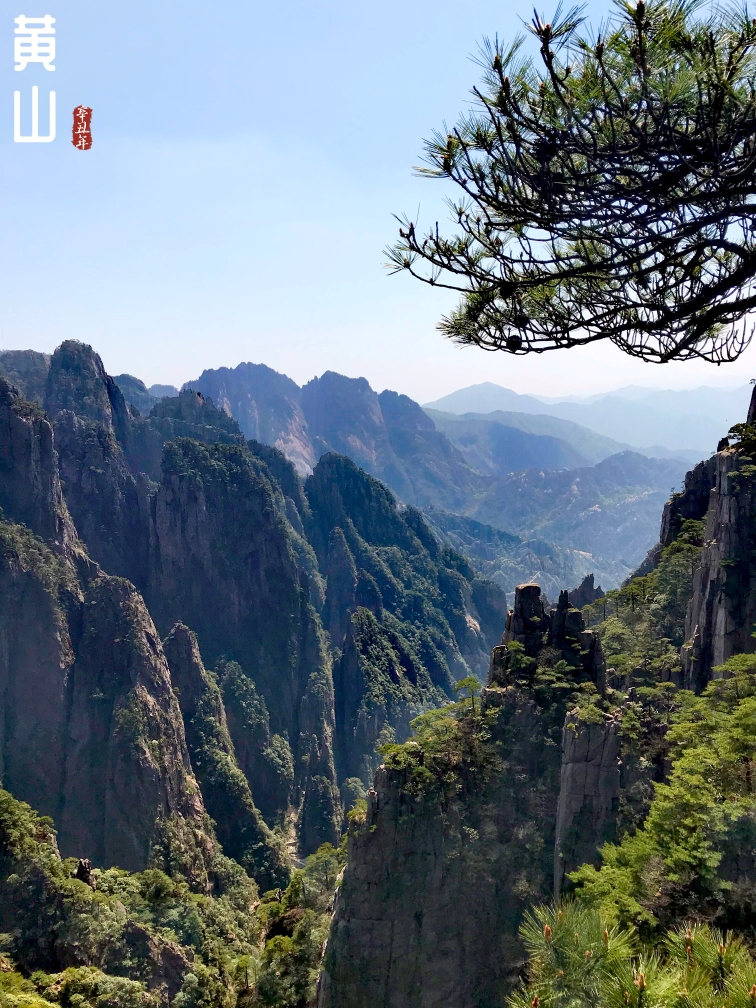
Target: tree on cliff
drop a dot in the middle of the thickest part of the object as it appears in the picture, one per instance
(606, 192)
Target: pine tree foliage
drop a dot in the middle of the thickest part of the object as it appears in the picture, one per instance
(578, 960)
(606, 189)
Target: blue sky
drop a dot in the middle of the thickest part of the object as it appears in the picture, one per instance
(247, 161)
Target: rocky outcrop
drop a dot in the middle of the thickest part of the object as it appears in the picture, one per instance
(30, 488)
(610, 509)
(135, 392)
(508, 560)
(721, 612)
(388, 435)
(93, 431)
(585, 593)
(90, 730)
(589, 793)
(189, 414)
(691, 503)
(109, 454)
(527, 622)
(561, 629)
(344, 415)
(407, 616)
(27, 371)
(436, 884)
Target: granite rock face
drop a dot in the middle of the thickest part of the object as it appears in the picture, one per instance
(589, 793)
(721, 612)
(344, 415)
(562, 628)
(91, 731)
(435, 886)
(586, 593)
(30, 488)
(407, 616)
(27, 371)
(438, 878)
(388, 435)
(720, 491)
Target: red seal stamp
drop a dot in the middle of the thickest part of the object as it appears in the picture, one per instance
(82, 127)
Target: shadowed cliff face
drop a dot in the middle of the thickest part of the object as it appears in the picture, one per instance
(29, 483)
(90, 731)
(232, 545)
(722, 610)
(239, 826)
(436, 471)
(109, 454)
(474, 821)
(344, 415)
(720, 617)
(224, 562)
(27, 371)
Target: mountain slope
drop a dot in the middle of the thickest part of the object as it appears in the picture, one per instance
(266, 405)
(610, 509)
(509, 560)
(586, 443)
(495, 449)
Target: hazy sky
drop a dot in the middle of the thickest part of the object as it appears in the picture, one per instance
(247, 161)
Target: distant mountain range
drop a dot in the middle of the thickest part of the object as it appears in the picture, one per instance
(478, 435)
(571, 500)
(691, 419)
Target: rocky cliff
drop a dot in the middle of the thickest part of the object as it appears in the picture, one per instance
(718, 493)
(722, 610)
(90, 730)
(223, 536)
(408, 616)
(610, 509)
(437, 880)
(223, 561)
(589, 793)
(472, 821)
(240, 828)
(27, 371)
